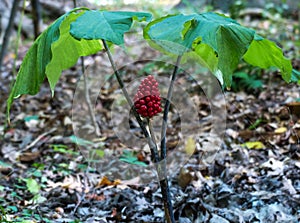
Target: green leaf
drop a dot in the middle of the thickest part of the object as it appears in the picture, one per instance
(53, 51)
(219, 41)
(80, 141)
(215, 41)
(254, 145)
(31, 117)
(66, 50)
(265, 53)
(12, 208)
(32, 185)
(130, 157)
(110, 26)
(295, 76)
(32, 71)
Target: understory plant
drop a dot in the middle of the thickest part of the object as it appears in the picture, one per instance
(213, 40)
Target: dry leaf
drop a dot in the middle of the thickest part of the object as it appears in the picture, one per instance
(29, 156)
(106, 182)
(280, 130)
(190, 146)
(184, 178)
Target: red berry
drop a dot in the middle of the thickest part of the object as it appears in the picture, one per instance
(147, 99)
(144, 108)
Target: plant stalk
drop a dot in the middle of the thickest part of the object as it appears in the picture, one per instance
(87, 93)
(163, 153)
(165, 190)
(152, 144)
(163, 147)
(163, 181)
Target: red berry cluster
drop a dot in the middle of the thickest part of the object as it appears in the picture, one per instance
(147, 99)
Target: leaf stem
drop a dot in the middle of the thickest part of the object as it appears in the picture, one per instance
(152, 144)
(161, 169)
(87, 93)
(163, 147)
(88, 99)
(163, 153)
(151, 130)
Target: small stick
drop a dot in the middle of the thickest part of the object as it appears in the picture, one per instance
(32, 144)
(87, 94)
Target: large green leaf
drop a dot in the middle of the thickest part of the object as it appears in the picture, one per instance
(219, 41)
(32, 70)
(67, 50)
(265, 53)
(110, 26)
(54, 50)
(216, 41)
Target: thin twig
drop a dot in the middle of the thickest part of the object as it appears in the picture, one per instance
(33, 143)
(88, 99)
(163, 147)
(87, 93)
(152, 145)
(81, 196)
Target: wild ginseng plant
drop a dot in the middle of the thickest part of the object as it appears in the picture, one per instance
(213, 40)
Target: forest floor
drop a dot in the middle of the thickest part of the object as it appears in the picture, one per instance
(245, 144)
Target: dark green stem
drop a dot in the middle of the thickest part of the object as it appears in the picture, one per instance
(163, 153)
(164, 180)
(152, 144)
(161, 168)
(166, 197)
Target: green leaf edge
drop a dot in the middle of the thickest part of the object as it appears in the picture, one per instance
(279, 61)
(97, 35)
(36, 50)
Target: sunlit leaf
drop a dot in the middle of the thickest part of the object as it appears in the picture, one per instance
(280, 130)
(66, 50)
(190, 146)
(265, 53)
(32, 186)
(54, 50)
(217, 42)
(254, 145)
(107, 25)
